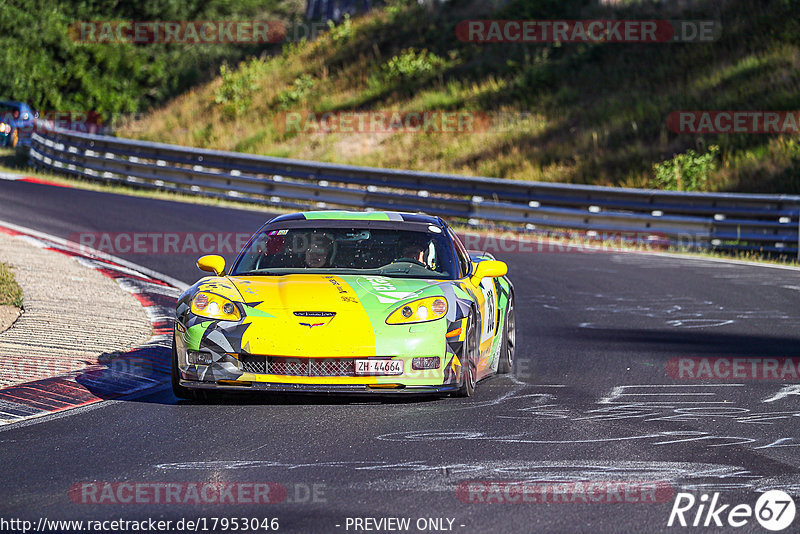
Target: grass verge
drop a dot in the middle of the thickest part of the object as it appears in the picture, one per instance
(10, 292)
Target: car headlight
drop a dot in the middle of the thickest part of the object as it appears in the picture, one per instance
(213, 306)
(419, 311)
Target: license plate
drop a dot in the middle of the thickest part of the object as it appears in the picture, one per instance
(379, 367)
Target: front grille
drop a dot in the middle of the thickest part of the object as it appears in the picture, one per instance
(253, 364)
(332, 367)
(297, 366)
(288, 366)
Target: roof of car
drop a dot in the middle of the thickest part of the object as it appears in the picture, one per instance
(12, 103)
(388, 216)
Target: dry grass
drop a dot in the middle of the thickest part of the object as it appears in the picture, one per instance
(593, 113)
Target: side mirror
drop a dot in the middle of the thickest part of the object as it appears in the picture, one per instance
(212, 264)
(488, 268)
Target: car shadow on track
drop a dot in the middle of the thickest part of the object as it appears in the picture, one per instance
(231, 399)
(165, 396)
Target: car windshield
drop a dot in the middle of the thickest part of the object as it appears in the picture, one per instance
(8, 112)
(386, 252)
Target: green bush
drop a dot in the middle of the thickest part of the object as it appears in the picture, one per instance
(408, 66)
(411, 64)
(686, 172)
(297, 92)
(236, 92)
(44, 62)
(340, 33)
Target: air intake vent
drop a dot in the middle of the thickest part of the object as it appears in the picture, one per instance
(297, 366)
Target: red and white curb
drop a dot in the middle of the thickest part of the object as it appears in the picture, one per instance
(134, 372)
(12, 177)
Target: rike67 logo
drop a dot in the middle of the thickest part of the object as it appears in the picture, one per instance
(774, 510)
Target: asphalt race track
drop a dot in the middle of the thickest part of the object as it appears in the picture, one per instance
(592, 398)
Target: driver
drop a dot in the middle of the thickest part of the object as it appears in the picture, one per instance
(319, 251)
(414, 249)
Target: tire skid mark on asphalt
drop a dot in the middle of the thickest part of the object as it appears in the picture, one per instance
(426, 476)
(134, 372)
(639, 404)
(785, 391)
(676, 311)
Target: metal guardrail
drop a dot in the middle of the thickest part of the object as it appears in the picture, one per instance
(767, 223)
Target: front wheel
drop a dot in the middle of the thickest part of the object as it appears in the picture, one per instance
(509, 339)
(469, 367)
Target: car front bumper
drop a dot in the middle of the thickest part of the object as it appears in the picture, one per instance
(312, 389)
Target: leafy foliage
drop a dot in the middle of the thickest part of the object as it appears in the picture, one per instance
(687, 172)
(341, 33)
(44, 64)
(238, 86)
(411, 64)
(297, 92)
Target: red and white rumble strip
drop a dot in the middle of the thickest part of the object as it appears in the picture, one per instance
(136, 371)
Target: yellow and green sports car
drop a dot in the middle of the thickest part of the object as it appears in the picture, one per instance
(346, 302)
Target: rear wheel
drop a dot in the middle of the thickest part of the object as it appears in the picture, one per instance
(179, 391)
(469, 366)
(509, 339)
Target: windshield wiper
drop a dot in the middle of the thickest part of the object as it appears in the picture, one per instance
(264, 272)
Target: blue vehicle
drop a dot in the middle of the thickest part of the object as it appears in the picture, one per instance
(16, 123)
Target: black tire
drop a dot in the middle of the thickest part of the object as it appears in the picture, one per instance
(469, 366)
(509, 339)
(179, 391)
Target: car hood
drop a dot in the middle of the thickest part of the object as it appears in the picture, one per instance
(325, 315)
